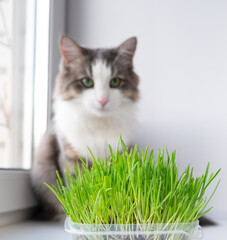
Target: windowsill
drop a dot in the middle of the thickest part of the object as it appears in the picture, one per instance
(16, 188)
(34, 230)
(52, 230)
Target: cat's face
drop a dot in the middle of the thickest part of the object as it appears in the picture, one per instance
(99, 81)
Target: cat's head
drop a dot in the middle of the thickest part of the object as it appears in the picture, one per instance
(100, 81)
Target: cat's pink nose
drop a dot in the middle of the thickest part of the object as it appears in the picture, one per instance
(103, 102)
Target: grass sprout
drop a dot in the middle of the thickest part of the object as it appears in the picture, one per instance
(131, 187)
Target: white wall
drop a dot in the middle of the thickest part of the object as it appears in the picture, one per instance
(182, 61)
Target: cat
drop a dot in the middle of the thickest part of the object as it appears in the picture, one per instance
(94, 103)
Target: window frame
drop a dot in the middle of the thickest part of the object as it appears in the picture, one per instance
(17, 199)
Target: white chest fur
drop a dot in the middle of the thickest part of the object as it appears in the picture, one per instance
(82, 130)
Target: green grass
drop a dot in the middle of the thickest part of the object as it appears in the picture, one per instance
(132, 187)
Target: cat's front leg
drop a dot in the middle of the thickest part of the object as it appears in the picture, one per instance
(71, 159)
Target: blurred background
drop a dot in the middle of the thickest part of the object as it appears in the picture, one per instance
(181, 60)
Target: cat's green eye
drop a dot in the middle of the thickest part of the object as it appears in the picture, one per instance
(87, 82)
(115, 82)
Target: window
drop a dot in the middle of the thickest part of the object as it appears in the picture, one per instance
(16, 82)
(24, 49)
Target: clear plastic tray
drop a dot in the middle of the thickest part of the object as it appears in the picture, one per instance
(171, 231)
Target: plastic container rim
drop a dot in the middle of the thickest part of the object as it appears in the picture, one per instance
(102, 229)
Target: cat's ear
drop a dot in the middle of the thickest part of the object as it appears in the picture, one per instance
(70, 50)
(128, 48)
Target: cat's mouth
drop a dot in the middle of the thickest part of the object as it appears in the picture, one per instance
(101, 108)
(102, 111)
